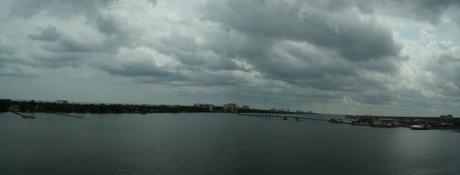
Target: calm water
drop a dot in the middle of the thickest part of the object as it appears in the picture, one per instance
(217, 144)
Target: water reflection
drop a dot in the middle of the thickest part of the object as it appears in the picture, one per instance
(217, 144)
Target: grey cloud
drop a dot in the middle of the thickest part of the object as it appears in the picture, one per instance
(266, 51)
(153, 2)
(305, 66)
(62, 8)
(376, 96)
(15, 70)
(50, 48)
(194, 55)
(342, 32)
(449, 67)
(447, 72)
(354, 40)
(66, 59)
(69, 45)
(5, 49)
(179, 77)
(430, 10)
(310, 44)
(60, 43)
(108, 25)
(48, 34)
(420, 10)
(9, 65)
(152, 73)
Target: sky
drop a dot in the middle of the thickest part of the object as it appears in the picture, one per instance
(392, 57)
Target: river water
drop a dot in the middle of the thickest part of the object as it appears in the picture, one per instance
(215, 144)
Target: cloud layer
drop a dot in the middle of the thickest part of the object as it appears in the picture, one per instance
(348, 56)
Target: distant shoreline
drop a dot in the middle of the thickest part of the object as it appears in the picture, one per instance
(415, 123)
(32, 106)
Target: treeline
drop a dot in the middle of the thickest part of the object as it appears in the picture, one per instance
(57, 107)
(4, 105)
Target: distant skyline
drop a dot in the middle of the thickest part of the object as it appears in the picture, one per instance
(393, 57)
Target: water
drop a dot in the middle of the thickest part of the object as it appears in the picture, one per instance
(217, 144)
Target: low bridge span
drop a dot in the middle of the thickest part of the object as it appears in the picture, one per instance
(282, 117)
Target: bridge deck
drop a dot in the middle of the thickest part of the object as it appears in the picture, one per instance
(283, 117)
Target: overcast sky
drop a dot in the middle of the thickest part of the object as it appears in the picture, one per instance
(395, 57)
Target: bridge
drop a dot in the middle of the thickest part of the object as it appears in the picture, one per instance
(282, 117)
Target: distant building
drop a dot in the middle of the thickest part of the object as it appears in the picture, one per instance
(206, 107)
(448, 117)
(385, 122)
(283, 110)
(14, 108)
(230, 107)
(446, 120)
(62, 101)
(349, 120)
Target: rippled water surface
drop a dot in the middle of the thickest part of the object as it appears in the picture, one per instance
(217, 144)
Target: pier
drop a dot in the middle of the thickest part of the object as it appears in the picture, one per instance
(23, 116)
(68, 115)
(26, 116)
(281, 117)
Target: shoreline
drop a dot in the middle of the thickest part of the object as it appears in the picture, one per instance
(443, 122)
